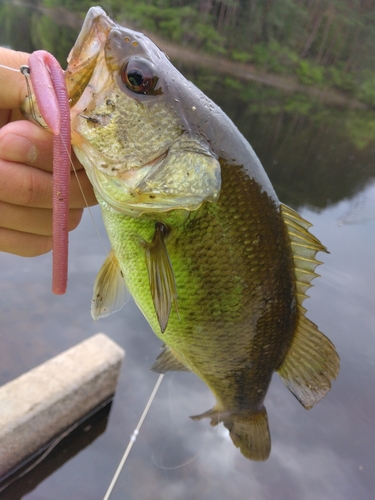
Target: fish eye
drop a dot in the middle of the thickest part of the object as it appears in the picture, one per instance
(138, 75)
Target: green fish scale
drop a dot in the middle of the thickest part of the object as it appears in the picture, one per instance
(234, 274)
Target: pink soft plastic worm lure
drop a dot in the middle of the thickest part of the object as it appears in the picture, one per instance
(52, 97)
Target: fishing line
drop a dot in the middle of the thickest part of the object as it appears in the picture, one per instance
(133, 437)
(158, 461)
(8, 67)
(174, 467)
(88, 207)
(25, 71)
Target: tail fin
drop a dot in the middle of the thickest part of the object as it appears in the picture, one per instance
(249, 431)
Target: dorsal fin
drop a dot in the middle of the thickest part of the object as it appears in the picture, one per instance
(304, 247)
(312, 361)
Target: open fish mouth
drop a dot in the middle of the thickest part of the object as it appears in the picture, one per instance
(83, 57)
(82, 61)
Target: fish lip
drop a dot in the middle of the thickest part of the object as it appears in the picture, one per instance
(84, 55)
(96, 27)
(92, 16)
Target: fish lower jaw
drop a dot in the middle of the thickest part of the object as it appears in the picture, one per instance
(131, 206)
(124, 194)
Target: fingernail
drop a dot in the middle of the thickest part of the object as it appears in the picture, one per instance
(17, 148)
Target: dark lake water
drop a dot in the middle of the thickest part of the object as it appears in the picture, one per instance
(321, 162)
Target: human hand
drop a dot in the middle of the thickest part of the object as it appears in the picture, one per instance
(26, 172)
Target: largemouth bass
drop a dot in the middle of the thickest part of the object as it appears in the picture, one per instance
(218, 266)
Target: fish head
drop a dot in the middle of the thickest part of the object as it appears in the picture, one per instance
(136, 125)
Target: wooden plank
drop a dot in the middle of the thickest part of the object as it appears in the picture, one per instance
(43, 402)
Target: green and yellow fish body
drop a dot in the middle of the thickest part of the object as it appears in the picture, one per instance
(216, 264)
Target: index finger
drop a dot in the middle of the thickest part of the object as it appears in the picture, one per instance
(12, 83)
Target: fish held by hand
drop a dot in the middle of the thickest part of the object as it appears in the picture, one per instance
(218, 266)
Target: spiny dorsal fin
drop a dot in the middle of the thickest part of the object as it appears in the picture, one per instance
(167, 362)
(304, 247)
(311, 362)
(161, 277)
(110, 292)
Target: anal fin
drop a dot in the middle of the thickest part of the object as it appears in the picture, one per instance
(310, 364)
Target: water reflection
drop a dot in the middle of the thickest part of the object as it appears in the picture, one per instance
(27, 477)
(327, 452)
(314, 155)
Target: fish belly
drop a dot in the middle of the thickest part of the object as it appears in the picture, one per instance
(233, 268)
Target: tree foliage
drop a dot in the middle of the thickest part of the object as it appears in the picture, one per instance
(321, 42)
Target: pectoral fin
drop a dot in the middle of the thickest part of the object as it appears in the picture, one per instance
(110, 292)
(167, 362)
(161, 277)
